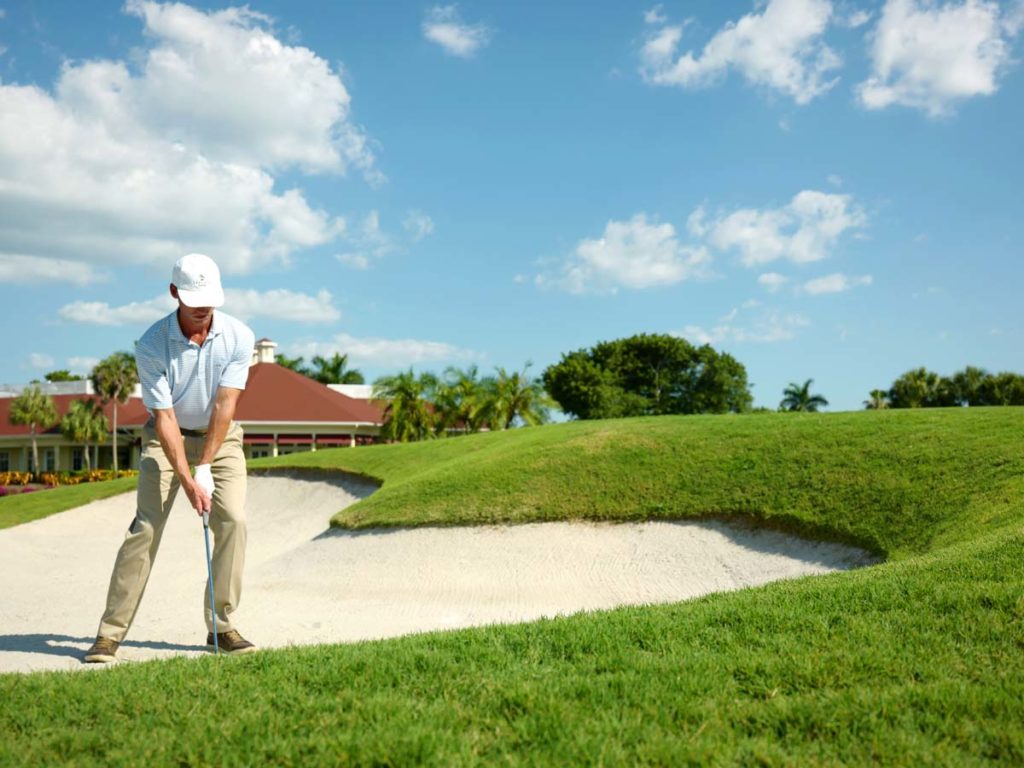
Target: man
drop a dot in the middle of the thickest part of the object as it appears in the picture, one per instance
(193, 365)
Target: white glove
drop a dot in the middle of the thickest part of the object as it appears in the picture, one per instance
(204, 478)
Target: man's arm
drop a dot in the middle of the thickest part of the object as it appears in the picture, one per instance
(169, 435)
(220, 421)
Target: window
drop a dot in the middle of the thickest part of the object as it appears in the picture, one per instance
(77, 459)
(49, 460)
(5, 461)
(259, 453)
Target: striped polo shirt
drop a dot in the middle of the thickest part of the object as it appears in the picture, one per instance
(177, 373)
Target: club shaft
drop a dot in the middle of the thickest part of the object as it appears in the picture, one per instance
(209, 571)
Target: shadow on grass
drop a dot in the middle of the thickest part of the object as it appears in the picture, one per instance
(66, 645)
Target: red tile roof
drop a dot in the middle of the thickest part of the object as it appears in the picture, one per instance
(276, 393)
(273, 393)
(130, 414)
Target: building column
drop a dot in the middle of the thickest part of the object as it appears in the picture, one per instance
(352, 440)
(273, 451)
(312, 445)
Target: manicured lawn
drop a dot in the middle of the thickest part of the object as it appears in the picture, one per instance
(919, 660)
(25, 507)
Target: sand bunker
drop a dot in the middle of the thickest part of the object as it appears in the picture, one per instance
(307, 584)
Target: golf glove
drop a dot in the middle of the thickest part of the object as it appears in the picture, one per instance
(204, 477)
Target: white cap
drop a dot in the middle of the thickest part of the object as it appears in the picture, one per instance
(198, 281)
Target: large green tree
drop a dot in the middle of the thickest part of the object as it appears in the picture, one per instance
(798, 397)
(334, 370)
(114, 378)
(647, 374)
(409, 414)
(1001, 389)
(35, 409)
(62, 375)
(85, 423)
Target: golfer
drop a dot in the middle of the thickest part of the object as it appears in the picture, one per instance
(193, 365)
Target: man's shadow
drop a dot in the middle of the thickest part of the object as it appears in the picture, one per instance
(58, 645)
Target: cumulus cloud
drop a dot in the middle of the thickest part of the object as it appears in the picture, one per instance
(805, 230)
(19, 268)
(781, 47)
(835, 283)
(243, 303)
(930, 56)
(176, 152)
(281, 304)
(772, 280)
(384, 352)
(444, 26)
(767, 327)
(630, 254)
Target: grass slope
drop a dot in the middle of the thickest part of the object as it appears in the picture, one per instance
(25, 507)
(919, 660)
(897, 482)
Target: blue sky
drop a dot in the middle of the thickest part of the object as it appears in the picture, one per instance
(825, 190)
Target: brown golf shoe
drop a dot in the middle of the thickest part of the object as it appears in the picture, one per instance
(103, 651)
(230, 642)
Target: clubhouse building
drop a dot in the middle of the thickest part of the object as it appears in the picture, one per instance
(281, 412)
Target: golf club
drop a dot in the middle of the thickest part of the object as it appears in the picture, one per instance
(209, 571)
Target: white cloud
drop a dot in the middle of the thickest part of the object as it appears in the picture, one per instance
(40, 361)
(281, 304)
(179, 153)
(768, 327)
(804, 230)
(246, 304)
(444, 26)
(101, 313)
(369, 243)
(930, 56)
(835, 180)
(655, 15)
(418, 225)
(781, 47)
(855, 19)
(631, 254)
(772, 280)
(18, 268)
(82, 365)
(384, 352)
(354, 260)
(835, 283)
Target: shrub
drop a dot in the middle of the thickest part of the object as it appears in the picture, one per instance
(15, 478)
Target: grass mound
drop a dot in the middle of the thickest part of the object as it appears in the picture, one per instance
(917, 660)
(896, 482)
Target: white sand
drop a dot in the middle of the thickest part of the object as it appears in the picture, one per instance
(307, 584)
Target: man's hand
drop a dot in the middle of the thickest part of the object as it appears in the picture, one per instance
(202, 489)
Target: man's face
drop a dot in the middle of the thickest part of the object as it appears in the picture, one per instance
(192, 316)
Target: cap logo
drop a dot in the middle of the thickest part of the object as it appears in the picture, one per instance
(199, 281)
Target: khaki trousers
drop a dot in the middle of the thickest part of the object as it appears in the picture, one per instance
(158, 485)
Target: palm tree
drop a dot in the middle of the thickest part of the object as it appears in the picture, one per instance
(799, 398)
(335, 370)
(877, 400)
(114, 378)
(516, 395)
(35, 409)
(460, 401)
(85, 423)
(409, 414)
(293, 364)
(917, 388)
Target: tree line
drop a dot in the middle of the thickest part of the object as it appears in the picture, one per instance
(921, 388)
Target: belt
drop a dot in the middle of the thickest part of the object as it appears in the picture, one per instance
(186, 432)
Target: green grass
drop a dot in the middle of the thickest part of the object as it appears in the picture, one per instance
(897, 482)
(25, 507)
(919, 660)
